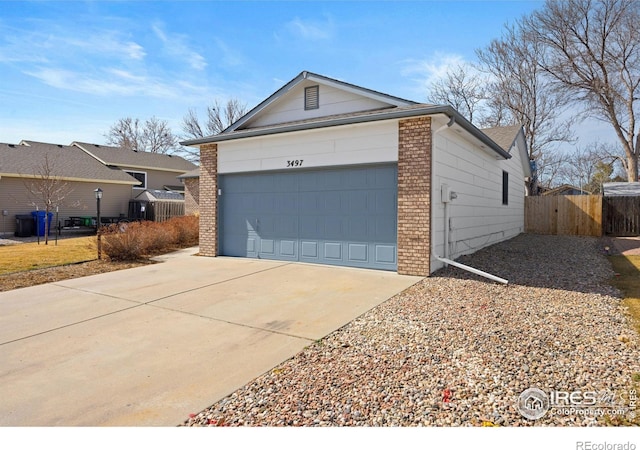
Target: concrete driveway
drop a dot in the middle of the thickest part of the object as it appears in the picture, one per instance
(150, 345)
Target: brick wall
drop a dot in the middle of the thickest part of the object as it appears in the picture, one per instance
(209, 200)
(414, 196)
(191, 196)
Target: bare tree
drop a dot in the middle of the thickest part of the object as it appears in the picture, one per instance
(153, 136)
(591, 166)
(549, 169)
(126, 133)
(461, 88)
(47, 190)
(521, 93)
(219, 117)
(592, 51)
(157, 136)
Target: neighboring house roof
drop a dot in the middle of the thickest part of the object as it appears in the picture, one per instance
(195, 173)
(153, 195)
(420, 109)
(70, 163)
(615, 189)
(566, 189)
(120, 157)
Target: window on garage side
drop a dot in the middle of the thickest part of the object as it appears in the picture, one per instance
(312, 97)
(505, 188)
(140, 176)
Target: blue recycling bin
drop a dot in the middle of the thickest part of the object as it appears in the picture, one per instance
(39, 224)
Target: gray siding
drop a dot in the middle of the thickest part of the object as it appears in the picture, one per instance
(156, 179)
(80, 201)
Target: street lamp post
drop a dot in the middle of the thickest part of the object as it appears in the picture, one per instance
(98, 193)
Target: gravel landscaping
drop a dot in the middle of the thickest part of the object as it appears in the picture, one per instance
(458, 350)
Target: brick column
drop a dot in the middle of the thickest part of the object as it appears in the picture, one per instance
(414, 196)
(209, 200)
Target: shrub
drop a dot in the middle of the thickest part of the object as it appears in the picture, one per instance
(138, 240)
(187, 229)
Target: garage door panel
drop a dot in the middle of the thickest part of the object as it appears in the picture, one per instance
(343, 216)
(385, 229)
(309, 249)
(385, 254)
(309, 227)
(358, 253)
(332, 251)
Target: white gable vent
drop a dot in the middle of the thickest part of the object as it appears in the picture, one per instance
(311, 97)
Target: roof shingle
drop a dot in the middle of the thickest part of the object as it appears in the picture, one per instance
(117, 156)
(67, 162)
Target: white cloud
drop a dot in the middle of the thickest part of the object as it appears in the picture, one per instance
(112, 81)
(176, 46)
(310, 30)
(230, 57)
(46, 42)
(424, 72)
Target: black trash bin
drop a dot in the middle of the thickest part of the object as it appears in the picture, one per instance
(24, 225)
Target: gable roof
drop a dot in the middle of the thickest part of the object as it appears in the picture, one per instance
(509, 136)
(391, 100)
(417, 109)
(70, 163)
(505, 136)
(120, 157)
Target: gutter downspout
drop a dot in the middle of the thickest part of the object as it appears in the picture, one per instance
(473, 270)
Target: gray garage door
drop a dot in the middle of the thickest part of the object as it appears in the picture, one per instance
(341, 216)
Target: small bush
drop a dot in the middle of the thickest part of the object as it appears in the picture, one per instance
(187, 229)
(139, 240)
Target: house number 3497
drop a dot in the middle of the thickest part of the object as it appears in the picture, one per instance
(294, 163)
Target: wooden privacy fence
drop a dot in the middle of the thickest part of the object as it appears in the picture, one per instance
(622, 216)
(579, 215)
(161, 211)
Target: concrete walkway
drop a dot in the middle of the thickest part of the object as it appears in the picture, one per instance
(150, 345)
(627, 245)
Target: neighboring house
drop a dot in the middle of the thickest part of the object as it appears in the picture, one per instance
(153, 170)
(121, 174)
(566, 189)
(328, 172)
(22, 167)
(191, 183)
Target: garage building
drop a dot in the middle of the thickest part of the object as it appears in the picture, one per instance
(327, 172)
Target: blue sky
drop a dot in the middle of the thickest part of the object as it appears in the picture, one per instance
(69, 70)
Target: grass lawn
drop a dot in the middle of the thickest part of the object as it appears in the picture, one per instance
(628, 281)
(30, 256)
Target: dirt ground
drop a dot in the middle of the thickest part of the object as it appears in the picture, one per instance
(52, 274)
